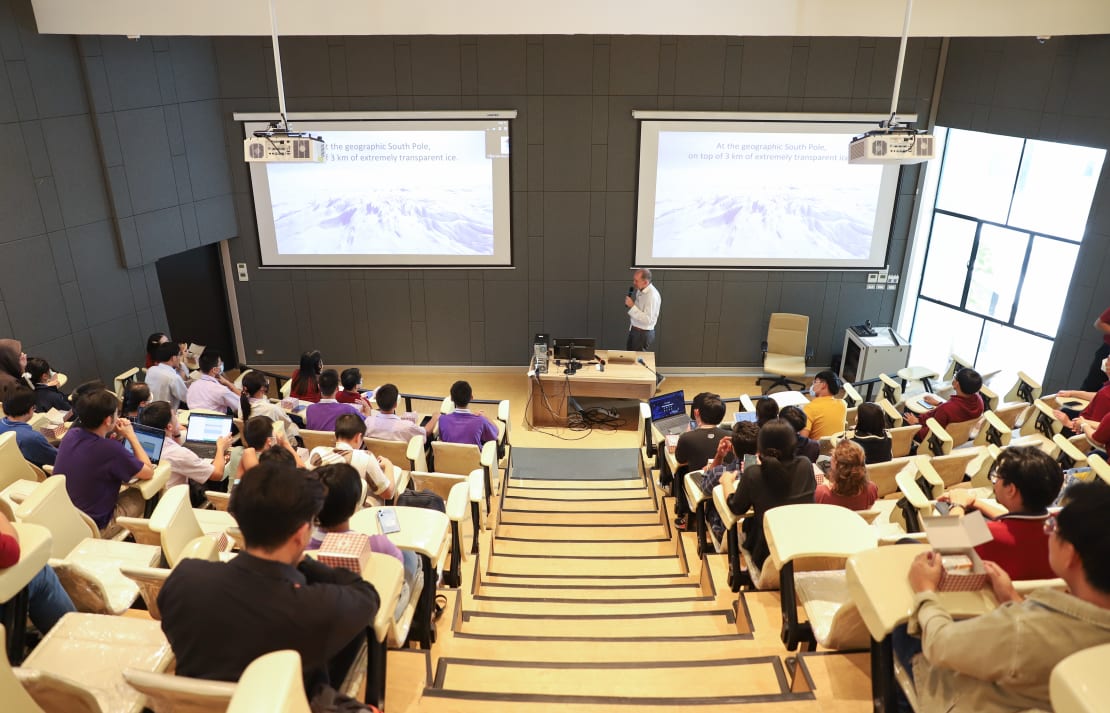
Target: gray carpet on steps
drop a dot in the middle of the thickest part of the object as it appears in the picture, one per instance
(576, 463)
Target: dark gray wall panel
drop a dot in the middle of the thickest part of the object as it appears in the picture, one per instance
(33, 301)
(146, 159)
(330, 303)
(78, 176)
(117, 342)
(18, 208)
(104, 285)
(132, 78)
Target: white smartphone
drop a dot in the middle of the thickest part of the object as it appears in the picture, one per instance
(387, 519)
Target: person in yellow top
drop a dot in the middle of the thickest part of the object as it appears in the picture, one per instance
(825, 413)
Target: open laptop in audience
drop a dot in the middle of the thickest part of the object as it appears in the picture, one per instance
(151, 439)
(668, 413)
(203, 432)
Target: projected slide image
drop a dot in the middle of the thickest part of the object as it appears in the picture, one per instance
(773, 196)
(387, 193)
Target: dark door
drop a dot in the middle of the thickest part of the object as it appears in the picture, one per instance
(196, 302)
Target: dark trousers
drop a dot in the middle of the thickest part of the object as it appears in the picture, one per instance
(640, 340)
(1096, 377)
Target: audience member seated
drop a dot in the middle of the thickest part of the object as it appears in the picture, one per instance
(212, 391)
(386, 425)
(45, 382)
(351, 380)
(135, 399)
(666, 477)
(254, 401)
(807, 447)
(780, 478)
(376, 471)
(218, 617)
(344, 490)
(766, 409)
(185, 466)
(695, 449)
(95, 465)
(163, 378)
(47, 601)
(13, 362)
(152, 343)
(258, 436)
(846, 483)
(825, 412)
(1098, 404)
(1026, 481)
(20, 408)
(1001, 661)
(305, 378)
(87, 387)
(964, 405)
(462, 426)
(728, 458)
(321, 415)
(871, 434)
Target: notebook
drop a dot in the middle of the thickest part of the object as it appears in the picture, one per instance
(204, 430)
(151, 439)
(668, 413)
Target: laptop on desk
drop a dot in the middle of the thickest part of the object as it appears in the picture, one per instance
(621, 357)
(203, 432)
(668, 413)
(151, 439)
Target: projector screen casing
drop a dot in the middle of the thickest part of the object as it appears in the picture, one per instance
(333, 130)
(704, 239)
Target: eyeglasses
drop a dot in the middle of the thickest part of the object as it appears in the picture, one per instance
(1050, 527)
(993, 475)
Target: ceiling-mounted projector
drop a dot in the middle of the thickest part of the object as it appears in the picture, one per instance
(280, 145)
(892, 145)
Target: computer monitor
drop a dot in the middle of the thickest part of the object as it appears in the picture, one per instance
(582, 349)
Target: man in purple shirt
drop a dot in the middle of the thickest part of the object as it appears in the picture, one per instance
(95, 465)
(321, 416)
(388, 426)
(462, 426)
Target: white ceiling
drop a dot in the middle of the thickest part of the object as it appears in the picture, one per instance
(872, 18)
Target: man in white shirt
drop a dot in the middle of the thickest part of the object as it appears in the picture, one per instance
(163, 378)
(643, 304)
(349, 432)
(185, 465)
(388, 426)
(212, 391)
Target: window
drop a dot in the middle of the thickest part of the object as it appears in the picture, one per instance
(1008, 215)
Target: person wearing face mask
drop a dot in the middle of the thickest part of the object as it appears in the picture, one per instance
(212, 391)
(825, 413)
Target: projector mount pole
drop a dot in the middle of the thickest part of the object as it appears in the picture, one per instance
(281, 84)
(893, 121)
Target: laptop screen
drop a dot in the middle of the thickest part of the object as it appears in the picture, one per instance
(750, 416)
(151, 439)
(207, 428)
(667, 405)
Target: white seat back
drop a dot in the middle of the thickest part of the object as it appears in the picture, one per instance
(175, 522)
(13, 694)
(167, 693)
(13, 467)
(1079, 683)
(271, 684)
(457, 458)
(49, 505)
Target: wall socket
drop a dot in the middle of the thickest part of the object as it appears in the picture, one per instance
(241, 268)
(259, 352)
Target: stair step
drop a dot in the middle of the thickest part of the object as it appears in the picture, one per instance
(617, 486)
(549, 606)
(627, 549)
(585, 519)
(547, 565)
(435, 701)
(602, 650)
(596, 533)
(634, 494)
(538, 504)
(673, 624)
(586, 583)
(589, 596)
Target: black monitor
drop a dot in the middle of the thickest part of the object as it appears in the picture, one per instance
(582, 349)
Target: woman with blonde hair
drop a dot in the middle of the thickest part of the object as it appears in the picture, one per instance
(846, 483)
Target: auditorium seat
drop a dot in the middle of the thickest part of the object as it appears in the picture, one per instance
(1079, 684)
(149, 580)
(314, 439)
(271, 684)
(784, 351)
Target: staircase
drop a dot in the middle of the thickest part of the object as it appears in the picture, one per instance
(585, 598)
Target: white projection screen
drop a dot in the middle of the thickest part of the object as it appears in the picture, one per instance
(392, 193)
(772, 194)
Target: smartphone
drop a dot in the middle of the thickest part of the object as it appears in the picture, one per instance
(943, 507)
(750, 460)
(387, 519)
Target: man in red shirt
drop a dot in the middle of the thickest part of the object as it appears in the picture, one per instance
(966, 404)
(1095, 376)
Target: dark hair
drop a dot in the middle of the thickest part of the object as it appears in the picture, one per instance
(273, 501)
(745, 435)
(1082, 523)
(37, 368)
(95, 406)
(344, 486)
(153, 341)
(87, 388)
(308, 372)
(134, 396)
(20, 400)
(328, 382)
(157, 415)
(794, 416)
(277, 454)
(256, 430)
(350, 378)
(386, 397)
(697, 401)
(831, 380)
(1035, 474)
(712, 410)
(348, 426)
(969, 380)
(766, 408)
(777, 441)
(165, 352)
(461, 394)
(253, 382)
(851, 469)
(208, 360)
(870, 420)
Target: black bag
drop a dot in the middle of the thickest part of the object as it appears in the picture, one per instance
(423, 499)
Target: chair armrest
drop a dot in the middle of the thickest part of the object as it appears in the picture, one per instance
(891, 413)
(477, 485)
(48, 469)
(935, 431)
(415, 453)
(489, 454)
(907, 484)
(926, 469)
(458, 502)
(150, 488)
(503, 410)
(1068, 450)
(763, 347)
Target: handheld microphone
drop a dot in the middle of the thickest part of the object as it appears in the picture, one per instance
(631, 291)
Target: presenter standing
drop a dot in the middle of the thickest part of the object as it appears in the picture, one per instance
(643, 302)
